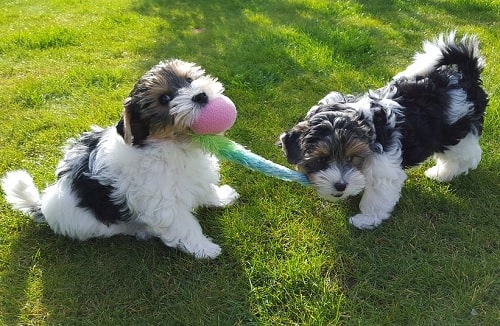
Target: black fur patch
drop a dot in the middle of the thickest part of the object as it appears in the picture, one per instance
(93, 194)
(290, 142)
(423, 122)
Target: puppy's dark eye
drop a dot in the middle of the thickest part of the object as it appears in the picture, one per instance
(317, 164)
(165, 99)
(189, 80)
(355, 160)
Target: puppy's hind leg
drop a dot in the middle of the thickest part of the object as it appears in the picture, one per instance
(185, 233)
(456, 160)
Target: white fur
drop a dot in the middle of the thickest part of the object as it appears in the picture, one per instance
(324, 181)
(162, 183)
(22, 194)
(458, 106)
(384, 180)
(426, 62)
(456, 160)
(183, 107)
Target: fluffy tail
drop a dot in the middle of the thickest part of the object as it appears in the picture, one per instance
(446, 51)
(21, 192)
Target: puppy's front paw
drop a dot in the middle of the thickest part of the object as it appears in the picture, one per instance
(365, 222)
(227, 195)
(201, 248)
(209, 251)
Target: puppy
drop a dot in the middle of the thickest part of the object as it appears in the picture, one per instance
(142, 176)
(348, 144)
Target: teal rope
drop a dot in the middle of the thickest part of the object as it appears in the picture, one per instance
(226, 149)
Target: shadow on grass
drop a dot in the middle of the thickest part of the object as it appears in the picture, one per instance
(116, 280)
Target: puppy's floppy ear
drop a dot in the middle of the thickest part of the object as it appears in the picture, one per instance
(123, 128)
(131, 127)
(120, 128)
(290, 143)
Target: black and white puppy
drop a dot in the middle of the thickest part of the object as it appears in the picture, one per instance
(348, 144)
(143, 176)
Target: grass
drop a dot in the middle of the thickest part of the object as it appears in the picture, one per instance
(288, 257)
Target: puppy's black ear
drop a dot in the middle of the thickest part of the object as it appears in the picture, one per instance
(131, 127)
(290, 143)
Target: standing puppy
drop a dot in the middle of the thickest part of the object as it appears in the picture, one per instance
(143, 176)
(347, 143)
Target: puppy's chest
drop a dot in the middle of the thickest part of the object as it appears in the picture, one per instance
(169, 167)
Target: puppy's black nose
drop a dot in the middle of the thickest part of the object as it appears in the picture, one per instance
(200, 98)
(340, 186)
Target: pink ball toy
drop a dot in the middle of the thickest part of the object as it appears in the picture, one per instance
(215, 117)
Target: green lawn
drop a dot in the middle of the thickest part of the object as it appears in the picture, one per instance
(289, 258)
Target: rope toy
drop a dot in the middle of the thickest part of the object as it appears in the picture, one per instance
(226, 149)
(217, 116)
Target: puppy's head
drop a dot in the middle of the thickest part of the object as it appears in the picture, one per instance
(166, 101)
(330, 148)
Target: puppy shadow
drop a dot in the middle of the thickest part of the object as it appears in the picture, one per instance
(118, 280)
(460, 196)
